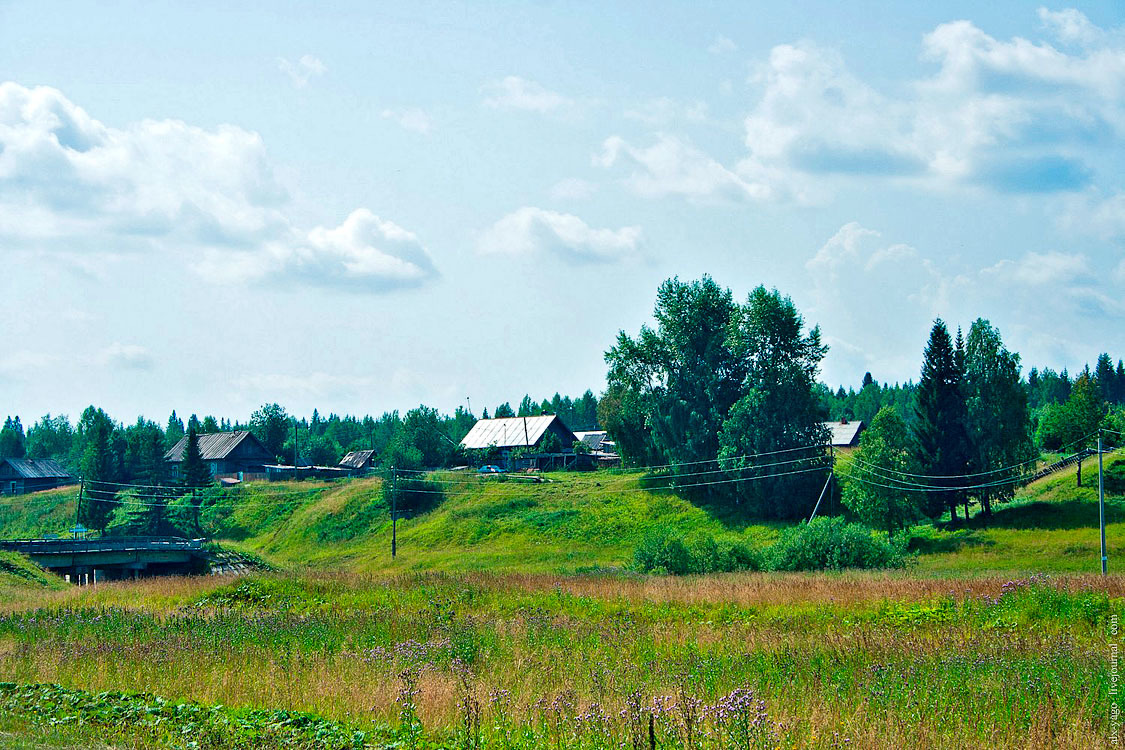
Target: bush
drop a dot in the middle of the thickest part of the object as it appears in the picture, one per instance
(832, 544)
(671, 552)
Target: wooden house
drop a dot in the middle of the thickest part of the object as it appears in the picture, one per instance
(20, 475)
(358, 463)
(845, 433)
(505, 435)
(227, 454)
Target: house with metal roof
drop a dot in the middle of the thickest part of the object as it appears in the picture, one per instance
(845, 433)
(506, 434)
(358, 462)
(20, 475)
(225, 453)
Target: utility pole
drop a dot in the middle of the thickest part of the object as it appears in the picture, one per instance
(1101, 503)
(831, 472)
(394, 512)
(78, 505)
(294, 447)
(526, 441)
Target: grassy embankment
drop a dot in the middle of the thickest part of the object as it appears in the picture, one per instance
(579, 521)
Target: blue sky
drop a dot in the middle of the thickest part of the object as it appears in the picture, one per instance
(367, 207)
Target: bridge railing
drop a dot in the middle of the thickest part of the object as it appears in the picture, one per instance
(110, 544)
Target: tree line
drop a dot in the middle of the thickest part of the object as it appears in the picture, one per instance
(97, 445)
(726, 394)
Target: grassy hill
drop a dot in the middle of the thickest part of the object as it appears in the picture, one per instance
(581, 520)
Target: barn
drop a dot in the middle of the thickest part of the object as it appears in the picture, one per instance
(20, 475)
(227, 454)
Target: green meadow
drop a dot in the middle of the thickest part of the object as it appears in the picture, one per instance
(511, 619)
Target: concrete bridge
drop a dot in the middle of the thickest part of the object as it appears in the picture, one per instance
(91, 560)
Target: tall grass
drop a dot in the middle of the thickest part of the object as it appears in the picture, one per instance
(747, 660)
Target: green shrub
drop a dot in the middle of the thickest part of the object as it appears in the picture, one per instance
(671, 552)
(832, 544)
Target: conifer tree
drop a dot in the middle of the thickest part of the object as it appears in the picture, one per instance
(193, 471)
(940, 439)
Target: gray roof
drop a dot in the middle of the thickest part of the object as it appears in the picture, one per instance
(845, 433)
(214, 446)
(356, 459)
(37, 468)
(592, 438)
(510, 432)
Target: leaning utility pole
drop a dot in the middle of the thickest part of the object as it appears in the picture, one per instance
(1101, 503)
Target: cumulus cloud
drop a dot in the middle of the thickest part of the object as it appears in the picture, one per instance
(125, 357)
(518, 93)
(364, 253)
(671, 166)
(1070, 26)
(303, 70)
(71, 186)
(533, 231)
(1024, 296)
(1043, 269)
(1012, 116)
(412, 118)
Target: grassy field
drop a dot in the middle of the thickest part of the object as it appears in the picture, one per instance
(536, 661)
(510, 620)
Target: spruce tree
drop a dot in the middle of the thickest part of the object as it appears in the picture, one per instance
(940, 439)
(193, 472)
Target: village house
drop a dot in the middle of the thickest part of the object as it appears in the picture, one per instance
(845, 433)
(20, 475)
(358, 463)
(230, 455)
(507, 434)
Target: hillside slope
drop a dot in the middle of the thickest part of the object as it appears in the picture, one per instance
(578, 521)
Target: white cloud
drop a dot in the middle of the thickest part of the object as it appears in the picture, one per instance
(303, 70)
(1098, 215)
(364, 253)
(1010, 115)
(1070, 26)
(514, 92)
(413, 119)
(671, 166)
(870, 296)
(73, 187)
(664, 110)
(125, 357)
(25, 365)
(573, 188)
(1042, 269)
(314, 384)
(533, 231)
(722, 46)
